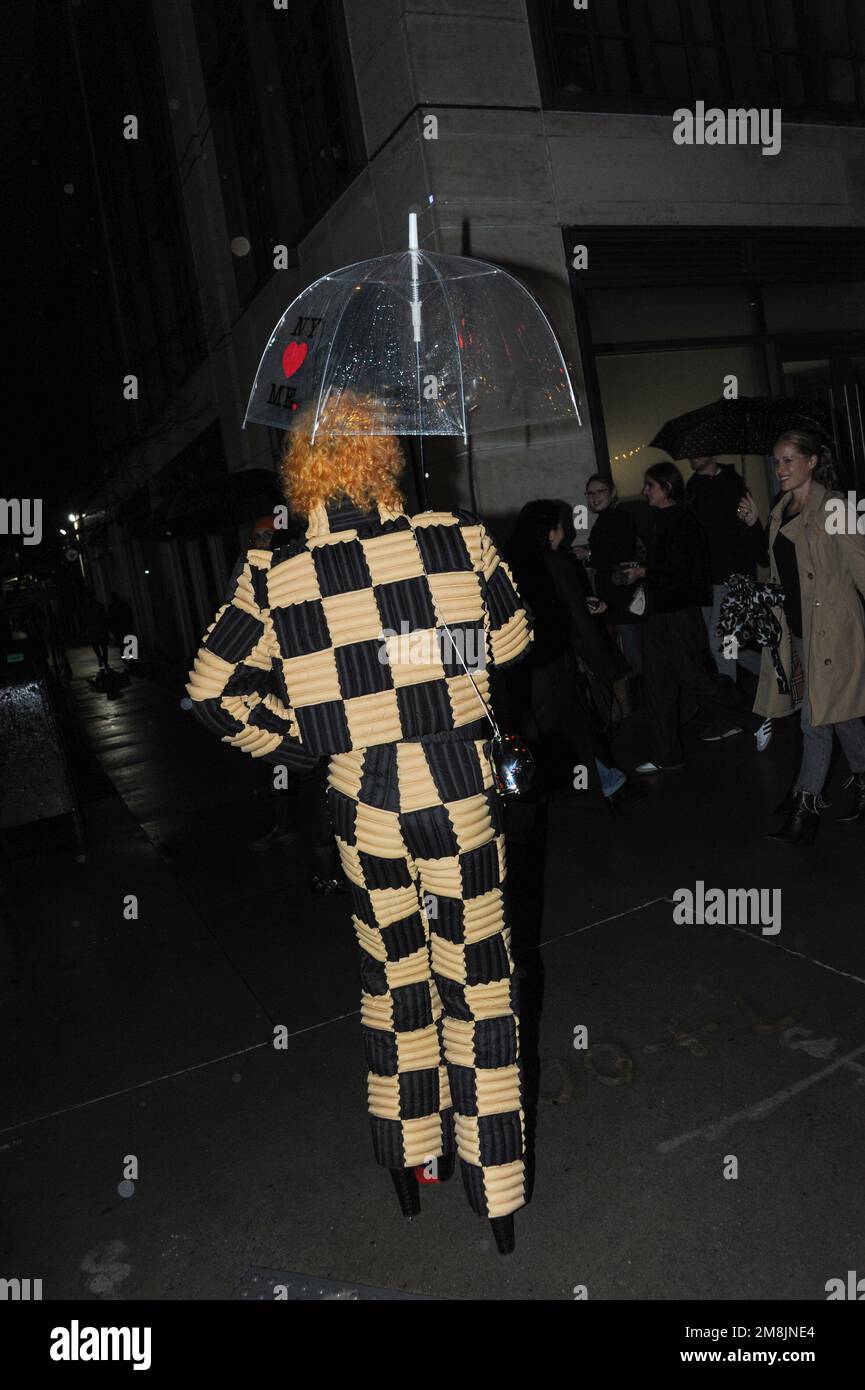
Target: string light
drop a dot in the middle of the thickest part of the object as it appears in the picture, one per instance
(628, 454)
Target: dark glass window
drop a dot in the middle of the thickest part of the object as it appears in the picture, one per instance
(318, 88)
(280, 97)
(238, 140)
(804, 55)
(161, 322)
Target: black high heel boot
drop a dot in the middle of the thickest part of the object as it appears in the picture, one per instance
(407, 1191)
(857, 810)
(786, 807)
(503, 1230)
(446, 1168)
(802, 825)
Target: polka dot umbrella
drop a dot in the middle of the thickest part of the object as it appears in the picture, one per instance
(749, 425)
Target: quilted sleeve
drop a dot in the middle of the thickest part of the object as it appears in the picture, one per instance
(507, 620)
(232, 684)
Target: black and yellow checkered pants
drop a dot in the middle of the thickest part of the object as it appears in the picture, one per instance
(419, 829)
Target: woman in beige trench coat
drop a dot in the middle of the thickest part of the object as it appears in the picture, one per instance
(817, 554)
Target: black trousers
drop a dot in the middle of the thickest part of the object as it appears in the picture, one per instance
(302, 807)
(312, 819)
(561, 730)
(676, 663)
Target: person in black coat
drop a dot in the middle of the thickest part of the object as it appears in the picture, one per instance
(613, 542)
(95, 620)
(300, 809)
(121, 619)
(677, 579)
(550, 695)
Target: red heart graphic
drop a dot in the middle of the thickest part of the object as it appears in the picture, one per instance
(294, 357)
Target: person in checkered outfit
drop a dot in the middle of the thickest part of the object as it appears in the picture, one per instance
(348, 625)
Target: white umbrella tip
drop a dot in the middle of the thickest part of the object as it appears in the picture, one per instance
(412, 231)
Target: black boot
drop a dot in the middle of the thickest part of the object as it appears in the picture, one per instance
(636, 693)
(786, 807)
(628, 791)
(503, 1230)
(801, 826)
(857, 810)
(407, 1191)
(325, 871)
(276, 836)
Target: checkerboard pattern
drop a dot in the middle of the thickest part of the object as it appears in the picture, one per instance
(349, 623)
(234, 685)
(438, 1005)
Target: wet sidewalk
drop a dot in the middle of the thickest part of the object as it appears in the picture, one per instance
(141, 991)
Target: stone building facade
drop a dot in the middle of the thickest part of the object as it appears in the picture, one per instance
(520, 131)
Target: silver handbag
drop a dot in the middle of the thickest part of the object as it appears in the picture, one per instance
(512, 762)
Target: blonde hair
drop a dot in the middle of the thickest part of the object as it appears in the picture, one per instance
(344, 460)
(809, 444)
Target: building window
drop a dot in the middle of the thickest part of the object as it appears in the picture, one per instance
(280, 95)
(149, 242)
(809, 59)
(239, 140)
(318, 87)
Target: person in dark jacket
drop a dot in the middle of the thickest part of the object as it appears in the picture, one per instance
(613, 543)
(300, 810)
(96, 627)
(677, 580)
(714, 492)
(549, 695)
(121, 620)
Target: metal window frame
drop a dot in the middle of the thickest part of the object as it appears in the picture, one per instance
(232, 92)
(750, 237)
(351, 124)
(543, 33)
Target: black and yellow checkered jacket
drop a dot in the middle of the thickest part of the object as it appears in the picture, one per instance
(336, 642)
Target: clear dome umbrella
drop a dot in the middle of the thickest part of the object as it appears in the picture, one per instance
(438, 345)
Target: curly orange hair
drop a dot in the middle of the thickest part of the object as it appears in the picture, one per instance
(352, 462)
